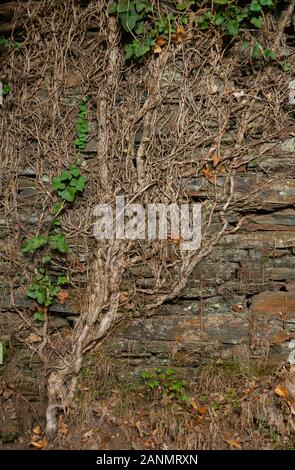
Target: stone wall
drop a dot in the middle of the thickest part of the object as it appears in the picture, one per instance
(239, 300)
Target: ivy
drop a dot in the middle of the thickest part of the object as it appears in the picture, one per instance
(82, 125)
(230, 16)
(33, 244)
(44, 287)
(44, 290)
(69, 183)
(5, 89)
(147, 26)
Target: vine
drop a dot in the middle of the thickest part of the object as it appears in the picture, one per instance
(44, 288)
(147, 28)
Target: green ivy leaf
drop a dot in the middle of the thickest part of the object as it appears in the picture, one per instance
(57, 241)
(45, 259)
(182, 5)
(79, 183)
(270, 54)
(266, 3)
(112, 9)
(6, 90)
(129, 20)
(184, 397)
(129, 51)
(140, 28)
(219, 18)
(57, 183)
(82, 126)
(140, 48)
(69, 194)
(62, 280)
(75, 171)
(65, 176)
(286, 67)
(33, 244)
(124, 6)
(233, 27)
(257, 21)
(57, 207)
(41, 296)
(256, 50)
(255, 6)
(39, 316)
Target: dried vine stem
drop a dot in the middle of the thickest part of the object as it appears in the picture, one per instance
(186, 120)
(107, 269)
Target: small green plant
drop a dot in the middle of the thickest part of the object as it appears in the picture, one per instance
(69, 183)
(142, 26)
(82, 125)
(166, 383)
(56, 240)
(230, 16)
(8, 43)
(286, 67)
(44, 288)
(148, 25)
(6, 90)
(31, 245)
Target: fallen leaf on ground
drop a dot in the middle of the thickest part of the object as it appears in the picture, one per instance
(87, 435)
(202, 410)
(63, 296)
(160, 41)
(34, 338)
(40, 444)
(157, 49)
(208, 173)
(37, 430)
(281, 391)
(233, 443)
(284, 393)
(62, 427)
(216, 159)
(180, 34)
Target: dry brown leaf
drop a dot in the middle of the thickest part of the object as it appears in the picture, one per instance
(199, 420)
(180, 34)
(281, 337)
(40, 444)
(216, 159)
(233, 443)
(193, 404)
(124, 296)
(202, 410)
(34, 338)
(282, 391)
(62, 427)
(37, 430)
(63, 296)
(87, 435)
(157, 49)
(208, 173)
(160, 41)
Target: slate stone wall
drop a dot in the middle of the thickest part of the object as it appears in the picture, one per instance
(239, 300)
